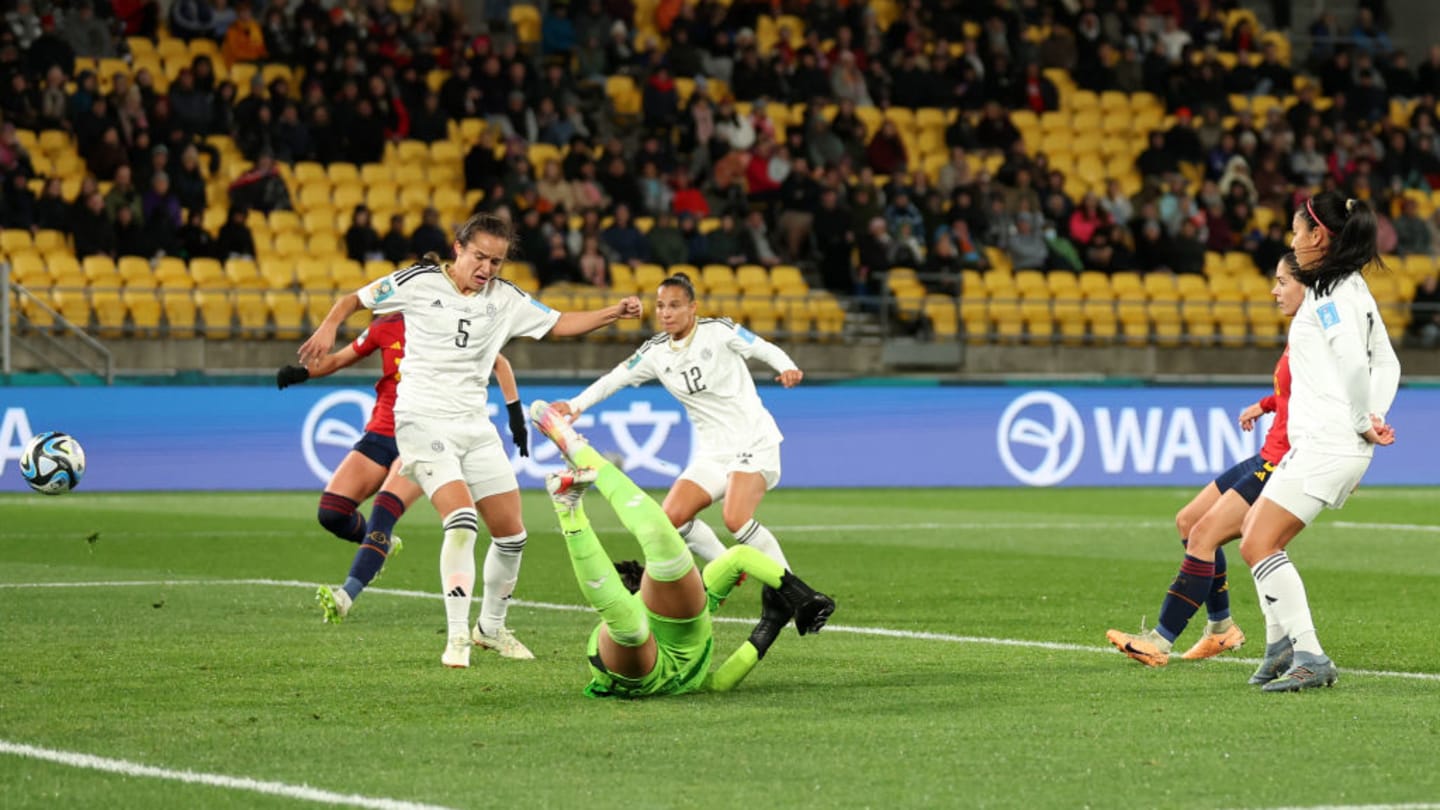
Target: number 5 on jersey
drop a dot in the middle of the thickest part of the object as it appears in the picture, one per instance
(462, 337)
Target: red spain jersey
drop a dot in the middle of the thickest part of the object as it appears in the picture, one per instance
(1277, 441)
(387, 334)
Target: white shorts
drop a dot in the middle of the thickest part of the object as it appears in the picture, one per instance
(712, 472)
(436, 452)
(1304, 482)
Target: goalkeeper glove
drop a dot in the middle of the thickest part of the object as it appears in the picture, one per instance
(291, 375)
(518, 431)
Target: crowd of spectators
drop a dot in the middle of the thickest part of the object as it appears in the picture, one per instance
(821, 194)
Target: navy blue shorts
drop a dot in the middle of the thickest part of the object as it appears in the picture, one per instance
(1247, 478)
(379, 449)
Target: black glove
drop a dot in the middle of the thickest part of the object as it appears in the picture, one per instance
(291, 375)
(518, 430)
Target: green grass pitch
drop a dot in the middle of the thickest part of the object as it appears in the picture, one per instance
(965, 667)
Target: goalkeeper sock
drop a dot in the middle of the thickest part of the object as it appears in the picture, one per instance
(457, 568)
(759, 538)
(501, 572)
(701, 539)
(622, 611)
(370, 557)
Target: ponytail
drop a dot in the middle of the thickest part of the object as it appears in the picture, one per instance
(1351, 226)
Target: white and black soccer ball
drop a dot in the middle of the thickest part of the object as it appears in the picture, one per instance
(53, 463)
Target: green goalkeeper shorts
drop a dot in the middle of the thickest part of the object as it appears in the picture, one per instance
(683, 651)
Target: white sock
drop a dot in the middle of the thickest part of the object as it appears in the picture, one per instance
(1274, 633)
(701, 540)
(759, 538)
(502, 571)
(457, 568)
(1278, 584)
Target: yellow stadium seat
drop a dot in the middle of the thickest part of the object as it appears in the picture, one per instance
(287, 310)
(13, 240)
(218, 312)
(760, 314)
(943, 317)
(754, 280)
(100, 272)
(144, 310)
(244, 274)
(109, 312)
(136, 273)
(180, 310)
(28, 269)
(252, 312)
(445, 152)
(1240, 262)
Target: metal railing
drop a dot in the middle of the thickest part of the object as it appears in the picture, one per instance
(102, 364)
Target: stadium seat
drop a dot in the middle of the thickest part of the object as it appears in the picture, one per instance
(136, 273)
(788, 280)
(218, 312)
(144, 310)
(827, 315)
(109, 311)
(171, 273)
(244, 274)
(28, 269)
(100, 272)
(253, 313)
(65, 270)
(760, 314)
(47, 240)
(941, 313)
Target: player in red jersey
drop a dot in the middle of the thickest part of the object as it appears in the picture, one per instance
(1214, 517)
(372, 466)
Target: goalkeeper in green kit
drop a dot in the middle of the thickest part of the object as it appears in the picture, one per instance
(660, 642)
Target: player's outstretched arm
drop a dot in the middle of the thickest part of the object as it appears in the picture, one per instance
(774, 615)
(329, 364)
(572, 324)
(319, 345)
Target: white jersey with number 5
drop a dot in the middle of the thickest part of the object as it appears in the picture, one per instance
(451, 339)
(1343, 369)
(706, 371)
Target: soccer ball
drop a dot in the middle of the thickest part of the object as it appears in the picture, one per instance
(52, 463)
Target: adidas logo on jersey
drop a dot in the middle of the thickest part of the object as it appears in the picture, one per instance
(437, 304)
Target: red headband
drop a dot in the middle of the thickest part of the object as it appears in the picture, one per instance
(1311, 209)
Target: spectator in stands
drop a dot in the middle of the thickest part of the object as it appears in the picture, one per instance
(245, 38)
(124, 194)
(131, 237)
(364, 134)
(92, 228)
(619, 184)
(655, 193)
(17, 203)
(395, 244)
(624, 240)
(667, 243)
(260, 188)
(20, 105)
(1411, 235)
(1368, 36)
(1026, 246)
(235, 239)
(697, 244)
(1087, 219)
(87, 34)
(834, 239)
(886, 153)
(727, 243)
(995, 130)
(594, 265)
(429, 237)
(108, 154)
(660, 102)
(52, 211)
(756, 241)
(161, 210)
(1425, 313)
(362, 241)
(193, 241)
(847, 82)
(688, 199)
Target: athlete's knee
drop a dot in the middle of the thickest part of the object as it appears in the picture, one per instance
(337, 514)
(1184, 523)
(1208, 534)
(1254, 549)
(679, 518)
(736, 518)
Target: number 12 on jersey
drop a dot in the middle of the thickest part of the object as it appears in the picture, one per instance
(691, 376)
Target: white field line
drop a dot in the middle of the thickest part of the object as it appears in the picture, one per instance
(1424, 806)
(128, 768)
(883, 632)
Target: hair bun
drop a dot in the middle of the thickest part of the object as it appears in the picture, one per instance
(1350, 204)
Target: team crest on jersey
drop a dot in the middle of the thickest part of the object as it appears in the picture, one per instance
(706, 354)
(437, 446)
(1329, 315)
(383, 289)
(490, 310)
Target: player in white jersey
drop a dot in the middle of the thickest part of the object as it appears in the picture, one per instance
(457, 318)
(701, 361)
(1344, 375)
